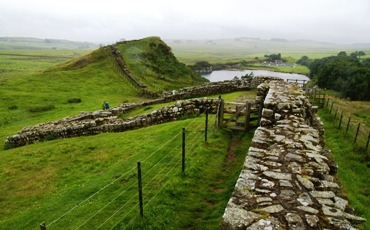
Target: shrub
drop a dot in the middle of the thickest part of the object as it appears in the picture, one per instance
(8, 146)
(51, 136)
(148, 108)
(74, 100)
(13, 107)
(41, 108)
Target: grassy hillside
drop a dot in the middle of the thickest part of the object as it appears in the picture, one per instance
(90, 181)
(153, 62)
(93, 78)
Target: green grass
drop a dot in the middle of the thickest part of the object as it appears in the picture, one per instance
(21, 62)
(42, 182)
(354, 166)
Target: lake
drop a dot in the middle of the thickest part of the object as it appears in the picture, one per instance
(221, 75)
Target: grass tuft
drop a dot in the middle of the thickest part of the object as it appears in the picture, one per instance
(74, 100)
(41, 108)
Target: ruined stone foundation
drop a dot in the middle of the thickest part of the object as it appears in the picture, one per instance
(288, 179)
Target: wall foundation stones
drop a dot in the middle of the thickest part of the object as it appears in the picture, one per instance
(288, 179)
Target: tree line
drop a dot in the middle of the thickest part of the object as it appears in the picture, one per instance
(347, 74)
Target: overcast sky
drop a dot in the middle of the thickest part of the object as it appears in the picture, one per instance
(338, 21)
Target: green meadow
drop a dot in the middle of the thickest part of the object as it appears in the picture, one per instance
(91, 182)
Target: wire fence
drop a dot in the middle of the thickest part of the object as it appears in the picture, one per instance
(116, 203)
(348, 126)
(352, 129)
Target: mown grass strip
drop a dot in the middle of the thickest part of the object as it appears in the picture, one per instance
(354, 166)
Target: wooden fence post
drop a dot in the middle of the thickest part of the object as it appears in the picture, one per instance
(331, 106)
(358, 129)
(183, 150)
(340, 122)
(368, 139)
(349, 120)
(336, 111)
(327, 103)
(43, 226)
(140, 189)
(206, 128)
(247, 116)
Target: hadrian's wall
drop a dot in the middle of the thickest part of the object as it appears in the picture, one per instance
(91, 123)
(288, 178)
(86, 123)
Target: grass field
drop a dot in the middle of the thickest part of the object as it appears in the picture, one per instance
(354, 165)
(44, 181)
(86, 182)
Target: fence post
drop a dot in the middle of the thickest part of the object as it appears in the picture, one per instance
(323, 100)
(368, 139)
(43, 226)
(140, 188)
(247, 116)
(183, 150)
(327, 103)
(206, 128)
(331, 106)
(358, 129)
(336, 111)
(349, 120)
(340, 122)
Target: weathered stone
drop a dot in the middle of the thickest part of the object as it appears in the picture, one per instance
(263, 199)
(330, 211)
(269, 223)
(267, 184)
(295, 167)
(273, 209)
(312, 220)
(327, 202)
(308, 209)
(267, 113)
(323, 194)
(304, 199)
(294, 221)
(340, 224)
(354, 219)
(340, 203)
(285, 183)
(278, 176)
(238, 218)
(306, 182)
(294, 158)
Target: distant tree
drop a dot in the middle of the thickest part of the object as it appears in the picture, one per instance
(304, 60)
(273, 57)
(345, 74)
(360, 53)
(342, 54)
(366, 62)
(353, 55)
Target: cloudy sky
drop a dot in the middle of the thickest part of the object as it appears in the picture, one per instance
(338, 21)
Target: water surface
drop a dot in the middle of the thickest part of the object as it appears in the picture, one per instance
(221, 75)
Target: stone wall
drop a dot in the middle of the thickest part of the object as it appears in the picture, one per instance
(91, 123)
(288, 180)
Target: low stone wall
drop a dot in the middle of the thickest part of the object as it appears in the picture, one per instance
(288, 179)
(91, 123)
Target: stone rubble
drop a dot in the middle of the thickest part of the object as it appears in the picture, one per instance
(288, 179)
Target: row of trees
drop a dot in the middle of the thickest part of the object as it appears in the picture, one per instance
(344, 73)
